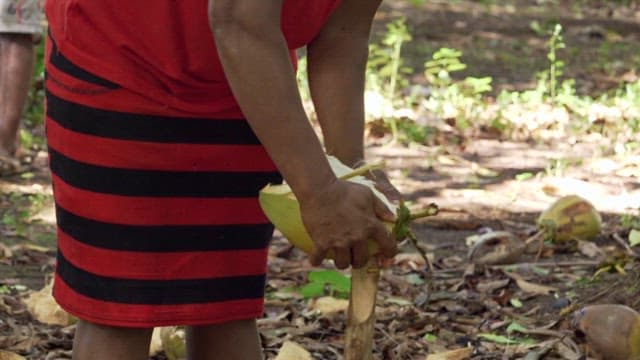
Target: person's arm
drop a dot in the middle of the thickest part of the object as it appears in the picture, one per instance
(337, 60)
(339, 215)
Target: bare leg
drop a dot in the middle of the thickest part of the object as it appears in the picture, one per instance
(238, 340)
(17, 57)
(98, 342)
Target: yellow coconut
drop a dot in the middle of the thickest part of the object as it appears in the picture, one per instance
(571, 217)
(281, 207)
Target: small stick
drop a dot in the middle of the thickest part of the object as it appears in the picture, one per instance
(358, 172)
(363, 170)
(431, 210)
(423, 253)
(624, 244)
(538, 264)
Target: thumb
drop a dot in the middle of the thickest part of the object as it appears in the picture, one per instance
(382, 211)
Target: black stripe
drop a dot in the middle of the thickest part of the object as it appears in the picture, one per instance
(155, 183)
(65, 65)
(159, 292)
(163, 238)
(163, 129)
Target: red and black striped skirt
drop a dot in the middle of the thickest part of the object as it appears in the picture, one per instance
(157, 211)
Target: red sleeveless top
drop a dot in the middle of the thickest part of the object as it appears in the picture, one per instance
(128, 43)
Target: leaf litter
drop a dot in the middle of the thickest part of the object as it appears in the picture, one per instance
(517, 307)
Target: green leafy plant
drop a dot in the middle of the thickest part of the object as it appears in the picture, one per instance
(326, 282)
(23, 206)
(460, 100)
(556, 66)
(443, 62)
(386, 68)
(631, 220)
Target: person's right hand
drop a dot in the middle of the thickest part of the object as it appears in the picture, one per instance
(342, 218)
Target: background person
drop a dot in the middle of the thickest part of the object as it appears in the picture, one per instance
(20, 29)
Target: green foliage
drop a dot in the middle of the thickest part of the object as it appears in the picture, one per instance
(34, 113)
(386, 69)
(386, 65)
(412, 132)
(445, 61)
(557, 166)
(326, 282)
(556, 66)
(416, 113)
(631, 220)
(17, 217)
(428, 337)
(401, 229)
(459, 100)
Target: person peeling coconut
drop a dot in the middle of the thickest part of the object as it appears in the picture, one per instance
(165, 119)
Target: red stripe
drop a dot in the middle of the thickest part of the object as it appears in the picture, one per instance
(129, 100)
(141, 316)
(156, 156)
(130, 210)
(160, 265)
(125, 100)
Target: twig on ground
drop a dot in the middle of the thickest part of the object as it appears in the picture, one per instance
(624, 244)
(581, 263)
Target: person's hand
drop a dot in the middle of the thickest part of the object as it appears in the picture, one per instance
(342, 218)
(384, 185)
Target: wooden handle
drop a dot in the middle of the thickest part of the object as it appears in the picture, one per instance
(361, 313)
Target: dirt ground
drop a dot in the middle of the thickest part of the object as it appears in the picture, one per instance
(484, 185)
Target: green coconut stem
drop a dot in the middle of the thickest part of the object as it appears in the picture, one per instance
(363, 170)
(401, 229)
(431, 210)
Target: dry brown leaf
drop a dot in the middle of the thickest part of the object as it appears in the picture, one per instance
(7, 355)
(589, 249)
(530, 287)
(458, 354)
(45, 309)
(413, 260)
(566, 352)
(32, 247)
(5, 251)
(329, 305)
(292, 351)
(491, 286)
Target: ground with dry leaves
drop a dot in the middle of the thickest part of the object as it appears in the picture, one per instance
(419, 312)
(520, 310)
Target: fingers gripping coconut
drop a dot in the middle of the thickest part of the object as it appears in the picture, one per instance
(344, 213)
(340, 215)
(342, 219)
